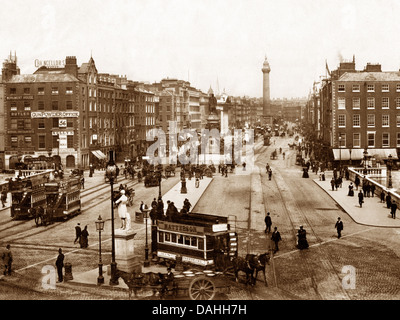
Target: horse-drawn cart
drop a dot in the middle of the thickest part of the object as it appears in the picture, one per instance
(192, 284)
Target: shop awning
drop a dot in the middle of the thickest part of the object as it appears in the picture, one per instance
(358, 154)
(382, 153)
(98, 154)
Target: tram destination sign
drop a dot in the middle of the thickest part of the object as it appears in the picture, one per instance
(180, 228)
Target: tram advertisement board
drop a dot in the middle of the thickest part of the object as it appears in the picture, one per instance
(180, 228)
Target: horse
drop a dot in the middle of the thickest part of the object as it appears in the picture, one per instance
(138, 280)
(250, 264)
(258, 263)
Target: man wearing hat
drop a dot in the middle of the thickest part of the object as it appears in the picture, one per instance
(60, 265)
(339, 227)
(78, 232)
(7, 260)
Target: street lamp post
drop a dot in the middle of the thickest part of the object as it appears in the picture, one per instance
(146, 249)
(159, 184)
(99, 228)
(111, 173)
(389, 170)
(365, 153)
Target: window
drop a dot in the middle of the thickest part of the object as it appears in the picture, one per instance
(356, 140)
(398, 139)
(370, 88)
(13, 90)
(70, 123)
(54, 105)
(398, 87)
(356, 103)
(27, 90)
(341, 88)
(40, 105)
(342, 140)
(54, 90)
(40, 91)
(27, 124)
(371, 120)
(356, 88)
(341, 103)
(14, 141)
(68, 105)
(13, 124)
(385, 120)
(41, 124)
(27, 106)
(398, 120)
(385, 88)
(356, 121)
(28, 139)
(370, 103)
(69, 90)
(55, 122)
(385, 139)
(371, 139)
(385, 103)
(42, 142)
(13, 106)
(342, 121)
(398, 103)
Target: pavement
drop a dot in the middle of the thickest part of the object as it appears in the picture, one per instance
(373, 212)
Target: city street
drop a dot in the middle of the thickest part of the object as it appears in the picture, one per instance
(312, 274)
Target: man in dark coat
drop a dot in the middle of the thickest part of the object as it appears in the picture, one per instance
(276, 237)
(339, 227)
(268, 223)
(60, 265)
(78, 232)
(360, 198)
(7, 260)
(393, 209)
(388, 201)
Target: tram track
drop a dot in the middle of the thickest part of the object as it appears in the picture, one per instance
(297, 217)
(88, 200)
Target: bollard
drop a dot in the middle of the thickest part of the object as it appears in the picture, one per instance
(68, 272)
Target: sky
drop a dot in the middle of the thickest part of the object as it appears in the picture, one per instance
(217, 43)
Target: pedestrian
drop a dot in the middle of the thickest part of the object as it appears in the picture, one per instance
(268, 223)
(7, 260)
(276, 237)
(357, 182)
(382, 196)
(393, 209)
(60, 265)
(4, 198)
(122, 210)
(351, 191)
(360, 198)
(83, 182)
(269, 174)
(141, 207)
(339, 227)
(388, 201)
(154, 203)
(78, 232)
(302, 242)
(333, 183)
(84, 238)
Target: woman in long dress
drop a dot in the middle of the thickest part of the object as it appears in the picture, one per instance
(84, 238)
(351, 191)
(122, 210)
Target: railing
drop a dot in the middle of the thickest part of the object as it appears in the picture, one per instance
(353, 172)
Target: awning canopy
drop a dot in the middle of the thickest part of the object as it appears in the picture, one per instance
(98, 154)
(382, 153)
(358, 154)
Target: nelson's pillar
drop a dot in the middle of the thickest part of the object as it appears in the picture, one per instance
(267, 115)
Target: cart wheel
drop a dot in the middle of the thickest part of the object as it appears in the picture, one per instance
(201, 288)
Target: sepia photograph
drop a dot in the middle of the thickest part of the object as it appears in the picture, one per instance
(174, 152)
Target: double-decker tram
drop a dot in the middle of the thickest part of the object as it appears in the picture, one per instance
(199, 239)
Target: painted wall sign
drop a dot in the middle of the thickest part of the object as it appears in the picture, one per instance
(49, 63)
(55, 114)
